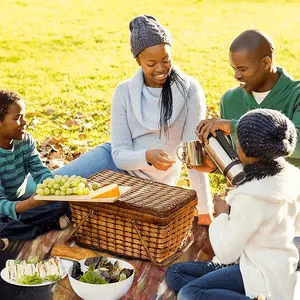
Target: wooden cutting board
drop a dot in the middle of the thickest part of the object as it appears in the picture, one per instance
(86, 198)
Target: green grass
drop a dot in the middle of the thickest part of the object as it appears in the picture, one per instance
(69, 55)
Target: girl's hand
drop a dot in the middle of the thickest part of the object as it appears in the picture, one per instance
(159, 159)
(220, 206)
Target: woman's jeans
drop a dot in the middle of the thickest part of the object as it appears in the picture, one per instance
(206, 281)
(89, 163)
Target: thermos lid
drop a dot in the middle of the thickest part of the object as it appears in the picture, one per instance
(238, 179)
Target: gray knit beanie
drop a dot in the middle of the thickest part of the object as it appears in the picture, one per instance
(146, 32)
(266, 134)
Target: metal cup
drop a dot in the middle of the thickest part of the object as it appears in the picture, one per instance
(193, 153)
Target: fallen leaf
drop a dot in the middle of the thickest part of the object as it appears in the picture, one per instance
(79, 115)
(50, 111)
(59, 140)
(79, 143)
(70, 123)
(82, 136)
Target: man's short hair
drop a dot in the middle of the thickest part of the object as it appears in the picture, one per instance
(253, 40)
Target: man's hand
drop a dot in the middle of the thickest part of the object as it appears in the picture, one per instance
(159, 159)
(220, 206)
(205, 127)
(29, 203)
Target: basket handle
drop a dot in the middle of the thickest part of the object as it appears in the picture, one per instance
(69, 236)
(170, 258)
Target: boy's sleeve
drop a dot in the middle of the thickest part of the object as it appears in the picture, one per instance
(7, 207)
(36, 168)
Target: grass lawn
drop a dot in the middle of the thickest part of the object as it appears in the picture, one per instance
(66, 56)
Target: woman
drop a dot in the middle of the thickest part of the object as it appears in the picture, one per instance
(152, 114)
(253, 241)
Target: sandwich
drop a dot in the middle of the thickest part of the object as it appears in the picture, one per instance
(26, 270)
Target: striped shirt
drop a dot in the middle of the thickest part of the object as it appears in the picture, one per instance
(15, 165)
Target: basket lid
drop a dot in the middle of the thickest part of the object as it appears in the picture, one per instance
(145, 195)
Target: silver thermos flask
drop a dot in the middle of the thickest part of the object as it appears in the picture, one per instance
(226, 159)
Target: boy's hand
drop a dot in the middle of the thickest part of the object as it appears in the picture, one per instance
(220, 206)
(29, 204)
(205, 127)
(159, 159)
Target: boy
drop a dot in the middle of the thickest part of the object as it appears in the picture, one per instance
(22, 217)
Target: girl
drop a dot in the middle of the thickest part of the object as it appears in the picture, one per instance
(255, 253)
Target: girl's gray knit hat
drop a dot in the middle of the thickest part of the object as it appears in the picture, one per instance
(146, 32)
(266, 134)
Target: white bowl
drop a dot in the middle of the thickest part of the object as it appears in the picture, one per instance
(110, 291)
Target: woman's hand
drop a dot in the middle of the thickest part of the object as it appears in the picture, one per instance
(205, 127)
(220, 206)
(159, 159)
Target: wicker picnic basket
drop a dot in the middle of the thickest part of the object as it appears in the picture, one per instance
(150, 221)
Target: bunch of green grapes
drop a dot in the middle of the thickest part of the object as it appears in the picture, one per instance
(63, 186)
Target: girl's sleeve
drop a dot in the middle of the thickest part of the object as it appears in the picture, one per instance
(230, 233)
(297, 222)
(36, 167)
(196, 111)
(123, 154)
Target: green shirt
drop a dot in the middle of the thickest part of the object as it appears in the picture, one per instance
(15, 165)
(284, 96)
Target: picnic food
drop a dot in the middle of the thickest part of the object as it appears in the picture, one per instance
(111, 190)
(75, 185)
(65, 251)
(34, 271)
(100, 271)
(63, 185)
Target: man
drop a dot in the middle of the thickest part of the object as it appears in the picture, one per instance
(262, 85)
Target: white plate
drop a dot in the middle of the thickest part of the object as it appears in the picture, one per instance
(86, 198)
(65, 264)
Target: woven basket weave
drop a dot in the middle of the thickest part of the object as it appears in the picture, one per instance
(150, 221)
